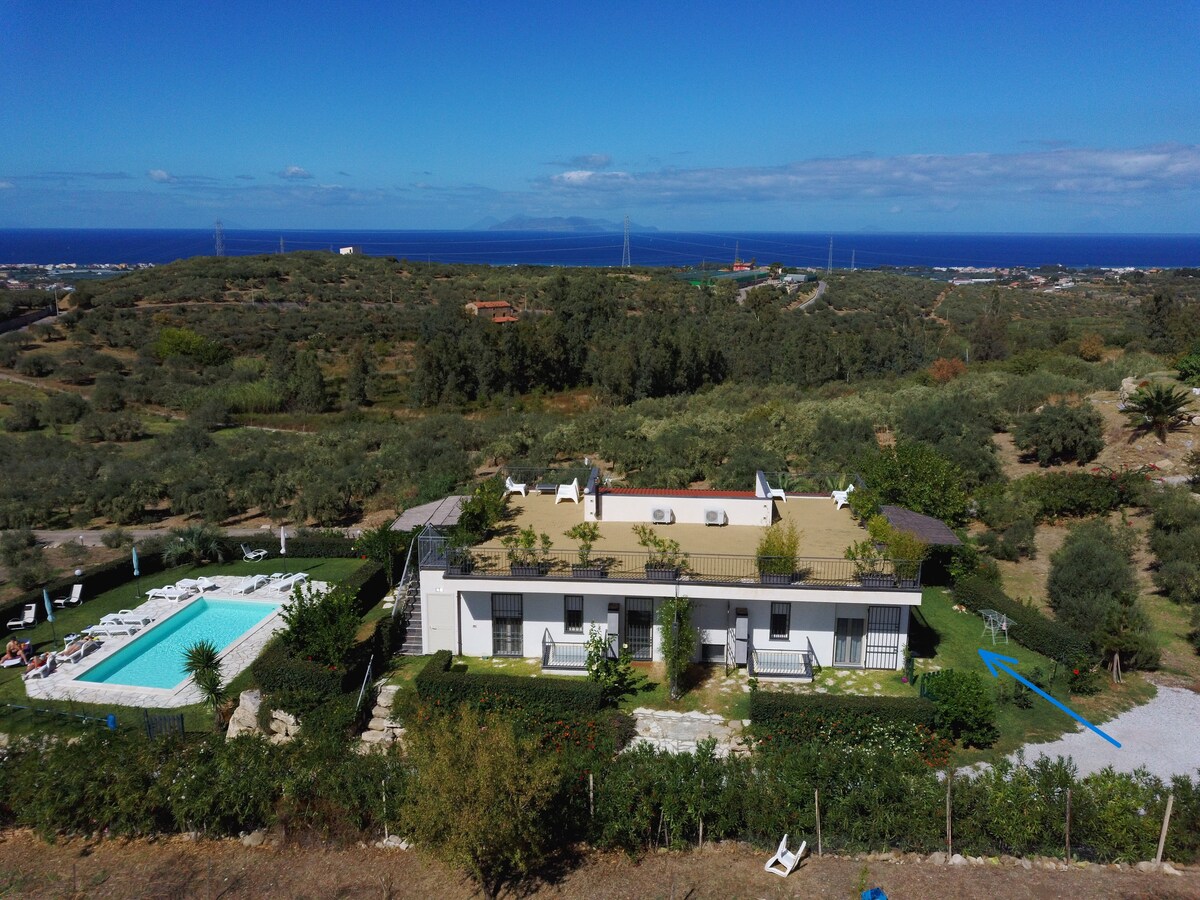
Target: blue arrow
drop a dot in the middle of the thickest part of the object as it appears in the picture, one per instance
(995, 660)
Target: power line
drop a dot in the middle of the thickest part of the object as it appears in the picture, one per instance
(829, 264)
(625, 250)
(219, 238)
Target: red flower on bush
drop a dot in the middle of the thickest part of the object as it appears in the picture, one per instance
(1076, 671)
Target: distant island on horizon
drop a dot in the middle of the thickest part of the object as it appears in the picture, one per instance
(572, 224)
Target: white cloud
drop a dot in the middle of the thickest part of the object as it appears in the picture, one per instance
(1066, 172)
(5, 185)
(162, 176)
(295, 172)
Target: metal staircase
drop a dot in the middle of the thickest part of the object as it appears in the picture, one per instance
(408, 606)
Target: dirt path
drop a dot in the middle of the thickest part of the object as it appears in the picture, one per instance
(178, 868)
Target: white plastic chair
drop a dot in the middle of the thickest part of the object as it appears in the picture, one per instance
(28, 618)
(785, 861)
(841, 498)
(567, 492)
(252, 555)
(74, 599)
(513, 487)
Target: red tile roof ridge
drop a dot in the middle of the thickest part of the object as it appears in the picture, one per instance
(679, 492)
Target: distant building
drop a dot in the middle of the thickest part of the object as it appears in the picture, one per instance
(497, 310)
(350, 251)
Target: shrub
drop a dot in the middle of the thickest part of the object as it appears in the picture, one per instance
(964, 707)
(943, 370)
(912, 475)
(777, 549)
(482, 798)
(1058, 494)
(23, 417)
(1060, 432)
(895, 724)
(542, 698)
(321, 625)
(296, 685)
(1027, 626)
(1089, 574)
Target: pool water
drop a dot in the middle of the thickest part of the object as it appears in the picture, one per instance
(155, 658)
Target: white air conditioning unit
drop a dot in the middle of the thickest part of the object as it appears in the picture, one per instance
(662, 515)
(715, 516)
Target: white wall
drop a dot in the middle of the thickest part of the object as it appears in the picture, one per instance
(688, 510)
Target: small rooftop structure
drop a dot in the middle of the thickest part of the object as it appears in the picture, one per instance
(354, 250)
(440, 514)
(933, 532)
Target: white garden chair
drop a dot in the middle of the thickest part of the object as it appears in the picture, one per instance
(785, 861)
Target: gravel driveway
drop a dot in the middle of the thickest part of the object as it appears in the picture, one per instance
(1161, 736)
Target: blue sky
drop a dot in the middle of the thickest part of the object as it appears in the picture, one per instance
(879, 116)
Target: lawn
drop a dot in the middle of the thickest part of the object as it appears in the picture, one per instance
(945, 639)
(47, 636)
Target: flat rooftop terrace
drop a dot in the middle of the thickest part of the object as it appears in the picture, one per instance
(825, 531)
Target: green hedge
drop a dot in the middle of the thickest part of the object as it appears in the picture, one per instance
(541, 697)
(296, 685)
(1094, 493)
(369, 584)
(965, 706)
(1026, 625)
(96, 580)
(816, 717)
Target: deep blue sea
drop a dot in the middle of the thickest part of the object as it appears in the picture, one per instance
(664, 248)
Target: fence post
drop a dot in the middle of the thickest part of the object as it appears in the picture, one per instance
(1068, 826)
(949, 832)
(1162, 837)
(817, 807)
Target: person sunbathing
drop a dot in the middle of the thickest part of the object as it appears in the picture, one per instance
(37, 662)
(16, 650)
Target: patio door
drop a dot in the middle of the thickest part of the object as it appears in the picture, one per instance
(639, 627)
(508, 619)
(848, 642)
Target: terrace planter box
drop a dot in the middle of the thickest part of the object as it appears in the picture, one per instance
(460, 568)
(662, 573)
(589, 571)
(876, 580)
(526, 571)
(776, 578)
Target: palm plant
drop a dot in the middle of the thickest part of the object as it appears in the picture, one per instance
(194, 544)
(201, 663)
(1157, 407)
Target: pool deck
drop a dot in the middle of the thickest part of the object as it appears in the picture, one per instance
(63, 683)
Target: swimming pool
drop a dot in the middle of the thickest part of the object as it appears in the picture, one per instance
(155, 658)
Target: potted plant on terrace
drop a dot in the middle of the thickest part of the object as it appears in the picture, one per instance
(586, 534)
(776, 554)
(869, 562)
(665, 560)
(459, 561)
(528, 552)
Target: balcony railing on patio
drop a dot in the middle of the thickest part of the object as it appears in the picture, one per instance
(779, 664)
(812, 482)
(569, 655)
(481, 562)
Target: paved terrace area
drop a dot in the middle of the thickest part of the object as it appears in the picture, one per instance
(62, 683)
(825, 531)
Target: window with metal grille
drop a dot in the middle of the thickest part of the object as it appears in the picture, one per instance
(573, 614)
(507, 620)
(781, 621)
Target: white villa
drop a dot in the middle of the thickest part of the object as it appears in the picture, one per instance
(479, 601)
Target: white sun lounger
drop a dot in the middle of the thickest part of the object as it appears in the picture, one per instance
(74, 599)
(84, 649)
(196, 584)
(251, 584)
(285, 584)
(111, 629)
(45, 670)
(171, 592)
(127, 617)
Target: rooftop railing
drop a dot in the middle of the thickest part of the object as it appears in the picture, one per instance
(812, 482)
(480, 563)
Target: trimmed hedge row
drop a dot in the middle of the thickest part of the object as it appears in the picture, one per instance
(296, 685)
(369, 584)
(543, 697)
(1026, 625)
(96, 580)
(807, 717)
